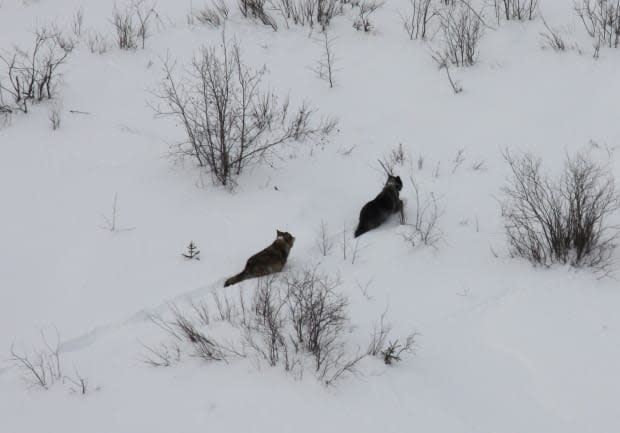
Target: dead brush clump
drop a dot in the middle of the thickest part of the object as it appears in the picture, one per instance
(298, 322)
(567, 219)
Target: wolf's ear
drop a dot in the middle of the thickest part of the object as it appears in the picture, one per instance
(279, 233)
(398, 177)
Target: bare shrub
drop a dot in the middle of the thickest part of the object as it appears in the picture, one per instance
(458, 160)
(563, 220)
(183, 328)
(125, 29)
(213, 15)
(324, 243)
(97, 43)
(318, 314)
(165, 325)
(300, 317)
(202, 311)
(379, 335)
(42, 368)
(225, 307)
(326, 10)
(308, 12)
(31, 76)
(300, 12)
(443, 63)
(344, 243)
(395, 157)
(294, 321)
(326, 66)
(205, 15)
(209, 349)
(132, 25)
(355, 253)
(77, 24)
(462, 30)
(552, 38)
(5, 113)
(420, 162)
(163, 355)
(144, 12)
(609, 150)
(318, 317)
(80, 383)
(366, 9)
(601, 19)
(520, 10)
(65, 42)
(229, 120)
(111, 222)
(416, 23)
(479, 165)
(221, 8)
(596, 49)
(255, 9)
(346, 150)
(424, 228)
(55, 117)
(268, 322)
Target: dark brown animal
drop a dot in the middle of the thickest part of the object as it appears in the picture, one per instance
(387, 203)
(269, 261)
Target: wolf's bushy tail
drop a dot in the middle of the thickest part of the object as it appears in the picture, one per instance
(360, 230)
(235, 279)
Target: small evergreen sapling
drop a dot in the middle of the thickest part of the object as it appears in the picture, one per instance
(193, 253)
(394, 349)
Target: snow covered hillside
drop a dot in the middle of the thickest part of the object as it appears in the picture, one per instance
(500, 345)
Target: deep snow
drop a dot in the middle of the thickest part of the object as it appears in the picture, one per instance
(504, 347)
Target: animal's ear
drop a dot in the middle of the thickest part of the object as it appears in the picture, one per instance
(398, 177)
(279, 233)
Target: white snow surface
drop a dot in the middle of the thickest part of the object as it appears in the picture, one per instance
(504, 347)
